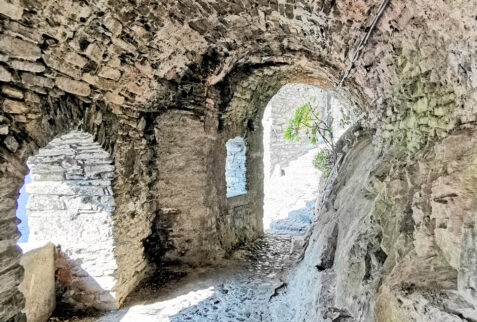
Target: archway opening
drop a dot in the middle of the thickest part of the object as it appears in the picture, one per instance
(66, 207)
(291, 173)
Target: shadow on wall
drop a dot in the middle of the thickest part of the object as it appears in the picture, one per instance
(297, 221)
(75, 286)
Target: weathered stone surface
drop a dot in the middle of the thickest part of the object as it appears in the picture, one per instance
(11, 144)
(12, 9)
(113, 25)
(110, 73)
(27, 66)
(19, 48)
(61, 66)
(38, 285)
(5, 75)
(221, 61)
(95, 52)
(114, 98)
(14, 107)
(72, 86)
(12, 92)
(235, 167)
(433, 244)
(35, 80)
(3, 129)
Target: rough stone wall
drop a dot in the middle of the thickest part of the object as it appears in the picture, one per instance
(111, 68)
(434, 275)
(235, 167)
(185, 188)
(71, 204)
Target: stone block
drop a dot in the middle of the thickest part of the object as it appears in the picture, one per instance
(32, 97)
(60, 65)
(441, 110)
(3, 129)
(12, 92)
(24, 32)
(75, 59)
(73, 86)
(99, 171)
(41, 203)
(114, 98)
(421, 105)
(28, 66)
(113, 25)
(38, 284)
(5, 75)
(19, 48)
(95, 52)
(13, 9)
(114, 62)
(110, 73)
(14, 107)
(11, 143)
(35, 80)
(123, 45)
(106, 84)
(66, 189)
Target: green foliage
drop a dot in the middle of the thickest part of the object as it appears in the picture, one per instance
(345, 119)
(307, 120)
(301, 120)
(324, 161)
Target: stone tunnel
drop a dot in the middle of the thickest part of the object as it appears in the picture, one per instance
(123, 112)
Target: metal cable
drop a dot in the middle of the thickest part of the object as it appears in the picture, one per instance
(363, 41)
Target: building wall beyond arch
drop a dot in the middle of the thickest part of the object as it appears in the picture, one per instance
(71, 205)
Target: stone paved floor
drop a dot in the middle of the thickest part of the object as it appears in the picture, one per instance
(240, 290)
(290, 196)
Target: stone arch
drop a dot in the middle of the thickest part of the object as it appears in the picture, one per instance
(71, 205)
(241, 218)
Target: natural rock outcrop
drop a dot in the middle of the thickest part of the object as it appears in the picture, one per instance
(392, 242)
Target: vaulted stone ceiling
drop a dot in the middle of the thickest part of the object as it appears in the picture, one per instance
(114, 68)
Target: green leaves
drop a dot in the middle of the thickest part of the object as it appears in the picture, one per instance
(302, 119)
(321, 160)
(307, 120)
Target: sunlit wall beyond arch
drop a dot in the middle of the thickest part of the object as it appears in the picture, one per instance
(70, 203)
(290, 178)
(235, 171)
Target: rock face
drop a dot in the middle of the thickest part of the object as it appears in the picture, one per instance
(392, 242)
(162, 86)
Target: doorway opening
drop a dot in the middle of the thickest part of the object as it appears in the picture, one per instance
(66, 205)
(291, 181)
